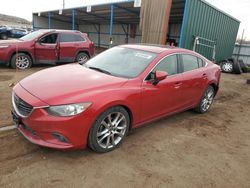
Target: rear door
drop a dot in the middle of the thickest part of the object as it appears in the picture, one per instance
(195, 78)
(70, 45)
(46, 49)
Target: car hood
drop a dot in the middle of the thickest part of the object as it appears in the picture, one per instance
(11, 42)
(68, 84)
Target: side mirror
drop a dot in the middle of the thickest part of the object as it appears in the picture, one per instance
(159, 76)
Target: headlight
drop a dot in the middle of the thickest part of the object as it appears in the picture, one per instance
(4, 46)
(68, 110)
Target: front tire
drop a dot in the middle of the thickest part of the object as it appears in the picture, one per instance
(21, 61)
(109, 130)
(206, 101)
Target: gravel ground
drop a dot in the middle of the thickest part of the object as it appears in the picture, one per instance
(184, 150)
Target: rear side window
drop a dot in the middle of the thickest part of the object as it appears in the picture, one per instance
(67, 37)
(201, 62)
(79, 38)
(190, 62)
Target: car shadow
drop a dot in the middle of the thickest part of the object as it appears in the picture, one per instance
(174, 121)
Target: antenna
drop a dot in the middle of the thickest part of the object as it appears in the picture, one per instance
(63, 4)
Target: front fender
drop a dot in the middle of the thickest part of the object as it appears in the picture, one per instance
(129, 98)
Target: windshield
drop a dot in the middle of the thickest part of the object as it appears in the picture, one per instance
(122, 62)
(32, 36)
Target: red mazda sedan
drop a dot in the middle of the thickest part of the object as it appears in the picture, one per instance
(96, 104)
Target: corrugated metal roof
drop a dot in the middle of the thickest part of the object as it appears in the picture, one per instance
(125, 13)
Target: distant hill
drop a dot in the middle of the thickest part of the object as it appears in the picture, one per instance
(14, 21)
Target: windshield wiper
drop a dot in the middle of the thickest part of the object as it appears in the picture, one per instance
(100, 70)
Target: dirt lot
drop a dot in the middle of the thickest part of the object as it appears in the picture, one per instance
(185, 150)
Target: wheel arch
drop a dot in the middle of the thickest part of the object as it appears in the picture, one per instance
(82, 51)
(118, 104)
(215, 86)
(22, 51)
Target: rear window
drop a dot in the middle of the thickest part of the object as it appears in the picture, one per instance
(67, 37)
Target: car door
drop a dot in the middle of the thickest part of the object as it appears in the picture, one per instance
(69, 46)
(46, 49)
(195, 78)
(166, 96)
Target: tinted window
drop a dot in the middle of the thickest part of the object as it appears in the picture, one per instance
(49, 39)
(190, 62)
(122, 62)
(168, 64)
(71, 38)
(79, 38)
(201, 62)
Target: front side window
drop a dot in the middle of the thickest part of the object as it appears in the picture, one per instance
(49, 39)
(168, 64)
(122, 62)
(190, 62)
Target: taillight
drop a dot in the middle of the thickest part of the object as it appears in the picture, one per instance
(92, 48)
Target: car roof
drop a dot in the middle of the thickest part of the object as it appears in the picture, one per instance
(60, 31)
(155, 48)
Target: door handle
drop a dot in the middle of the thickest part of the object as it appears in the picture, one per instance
(177, 85)
(204, 76)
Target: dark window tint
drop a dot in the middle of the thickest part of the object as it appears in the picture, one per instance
(49, 39)
(201, 62)
(168, 64)
(190, 62)
(79, 38)
(71, 38)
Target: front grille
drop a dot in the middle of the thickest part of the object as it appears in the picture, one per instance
(22, 108)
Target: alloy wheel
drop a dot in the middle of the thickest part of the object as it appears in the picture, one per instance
(82, 59)
(227, 67)
(22, 62)
(111, 130)
(207, 100)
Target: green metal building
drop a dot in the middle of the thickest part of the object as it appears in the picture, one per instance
(191, 24)
(215, 28)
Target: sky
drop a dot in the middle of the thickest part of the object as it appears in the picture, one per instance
(24, 8)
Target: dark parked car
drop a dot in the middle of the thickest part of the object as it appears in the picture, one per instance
(96, 104)
(48, 47)
(6, 32)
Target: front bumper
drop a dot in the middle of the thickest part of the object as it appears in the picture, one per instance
(42, 139)
(40, 127)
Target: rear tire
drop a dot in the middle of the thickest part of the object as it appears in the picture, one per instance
(206, 100)
(82, 58)
(21, 61)
(4, 36)
(243, 66)
(109, 130)
(236, 66)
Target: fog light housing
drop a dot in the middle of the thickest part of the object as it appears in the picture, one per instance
(60, 137)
